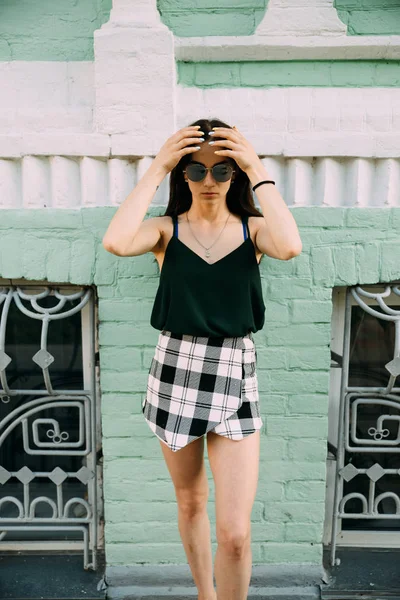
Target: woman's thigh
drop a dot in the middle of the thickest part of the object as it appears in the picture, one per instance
(188, 473)
(235, 467)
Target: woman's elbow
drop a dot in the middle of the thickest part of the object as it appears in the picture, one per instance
(293, 251)
(107, 245)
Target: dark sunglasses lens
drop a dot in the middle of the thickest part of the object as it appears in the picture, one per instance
(222, 172)
(195, 172)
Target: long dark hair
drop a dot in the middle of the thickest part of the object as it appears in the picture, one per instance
(239, 198)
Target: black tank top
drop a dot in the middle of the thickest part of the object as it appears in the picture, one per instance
(195, 297)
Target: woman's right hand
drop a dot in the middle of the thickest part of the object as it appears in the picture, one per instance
(180, 143)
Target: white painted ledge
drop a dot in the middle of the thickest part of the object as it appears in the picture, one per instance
(48, 144)
(263, 47)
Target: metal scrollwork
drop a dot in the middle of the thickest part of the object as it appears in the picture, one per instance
(380, 440)
(57, 437)
(50, 423)
(378, 434)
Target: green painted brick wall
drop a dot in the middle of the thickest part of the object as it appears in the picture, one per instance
(369, 17)
(224, 17)
(341, 246)
(49, 30)
(300, 73)
(63, 31)
(211, 17)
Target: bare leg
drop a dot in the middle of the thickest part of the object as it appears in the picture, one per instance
(188, 473)
(234, 465)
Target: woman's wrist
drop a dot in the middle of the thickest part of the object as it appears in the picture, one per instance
(156, 173)
(256, 173)
(150, 181)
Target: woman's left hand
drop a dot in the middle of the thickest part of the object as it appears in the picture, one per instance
(235, 146)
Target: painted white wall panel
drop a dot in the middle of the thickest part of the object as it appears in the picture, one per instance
(46, 96)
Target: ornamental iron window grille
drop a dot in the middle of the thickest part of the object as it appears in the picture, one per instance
(363, 504)
(50, 496)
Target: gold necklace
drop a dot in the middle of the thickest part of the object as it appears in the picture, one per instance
(207, 250)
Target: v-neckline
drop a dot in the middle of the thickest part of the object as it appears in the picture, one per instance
(217, 261)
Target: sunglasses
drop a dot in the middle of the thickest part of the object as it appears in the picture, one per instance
(197, 172)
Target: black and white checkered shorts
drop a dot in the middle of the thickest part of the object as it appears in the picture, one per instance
(200, 384)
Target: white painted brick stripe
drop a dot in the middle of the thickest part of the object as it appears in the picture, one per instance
(39, 96)
(295, 110)
(286, 121)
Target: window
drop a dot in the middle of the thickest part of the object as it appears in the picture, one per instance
(363, 500)
(48, 419)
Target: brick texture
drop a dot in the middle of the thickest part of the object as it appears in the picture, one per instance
(293, 370)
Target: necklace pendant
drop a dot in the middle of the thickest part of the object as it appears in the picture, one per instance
(207, 254)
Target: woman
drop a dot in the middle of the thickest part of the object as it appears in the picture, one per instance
(202, 379)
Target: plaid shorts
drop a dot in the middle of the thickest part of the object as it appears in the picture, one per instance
(200, 384)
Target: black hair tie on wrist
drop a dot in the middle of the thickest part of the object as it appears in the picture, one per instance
(261, 182)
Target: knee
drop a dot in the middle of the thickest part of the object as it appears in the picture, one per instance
(191, 502)
(234, 538)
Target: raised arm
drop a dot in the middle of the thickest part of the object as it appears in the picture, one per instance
(128, 234)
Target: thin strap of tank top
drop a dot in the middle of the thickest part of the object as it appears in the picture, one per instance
(175, 222)
(245, 225)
